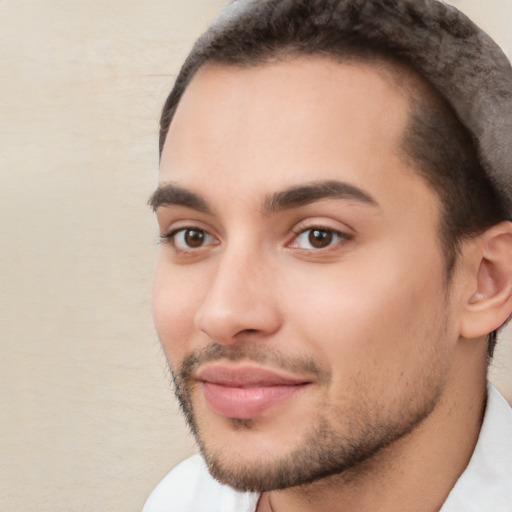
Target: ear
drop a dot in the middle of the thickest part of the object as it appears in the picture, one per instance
(488, 297)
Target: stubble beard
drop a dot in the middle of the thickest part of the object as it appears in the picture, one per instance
(326, 449)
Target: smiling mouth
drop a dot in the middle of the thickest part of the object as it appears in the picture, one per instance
(246, 392)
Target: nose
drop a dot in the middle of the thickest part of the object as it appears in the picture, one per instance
(241, 301)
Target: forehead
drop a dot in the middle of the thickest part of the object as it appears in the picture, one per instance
(267, 127)
(297, 86)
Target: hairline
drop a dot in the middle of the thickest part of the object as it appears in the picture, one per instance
(418, 93)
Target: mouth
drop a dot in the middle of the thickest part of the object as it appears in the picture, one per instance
(245, 391)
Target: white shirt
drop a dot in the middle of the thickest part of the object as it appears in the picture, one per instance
(485, 485)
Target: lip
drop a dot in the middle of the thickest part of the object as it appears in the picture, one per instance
(245, 391)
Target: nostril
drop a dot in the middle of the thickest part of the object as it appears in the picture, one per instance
(247, 333)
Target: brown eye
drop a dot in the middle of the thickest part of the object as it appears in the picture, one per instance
(194, 238)
(319, 238)
(187, 239)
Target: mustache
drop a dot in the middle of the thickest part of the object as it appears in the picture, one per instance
(250, 352)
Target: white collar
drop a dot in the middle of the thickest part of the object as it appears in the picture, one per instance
(486, 484)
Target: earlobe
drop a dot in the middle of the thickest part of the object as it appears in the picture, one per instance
(489, 297)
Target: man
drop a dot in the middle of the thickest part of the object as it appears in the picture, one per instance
(334, 203)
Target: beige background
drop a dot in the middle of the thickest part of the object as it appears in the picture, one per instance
(87, 420)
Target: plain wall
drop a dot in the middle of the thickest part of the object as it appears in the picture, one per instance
(87, 417)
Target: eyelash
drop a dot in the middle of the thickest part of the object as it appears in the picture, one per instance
(170, 238)
(303, 230)
(299, 231)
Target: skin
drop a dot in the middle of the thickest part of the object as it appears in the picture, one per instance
(372, 310)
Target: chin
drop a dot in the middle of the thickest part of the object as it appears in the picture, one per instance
(255, 463)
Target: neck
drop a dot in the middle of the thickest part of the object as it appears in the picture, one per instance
(417, 472)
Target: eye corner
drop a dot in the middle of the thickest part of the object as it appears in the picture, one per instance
(189, 240)
(316, 238)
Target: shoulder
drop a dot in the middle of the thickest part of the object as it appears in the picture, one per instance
(190, 488)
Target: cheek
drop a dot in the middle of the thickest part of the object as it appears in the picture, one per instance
(360, 312)
(175, 301)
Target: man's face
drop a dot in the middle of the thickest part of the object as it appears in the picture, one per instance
(300, 293)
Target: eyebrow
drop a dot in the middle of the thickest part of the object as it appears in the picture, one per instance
(306, 194)
(170, 194)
